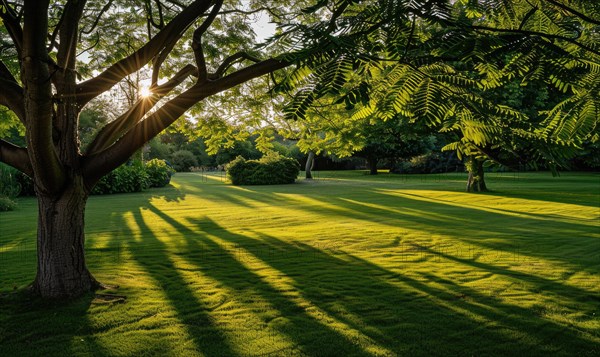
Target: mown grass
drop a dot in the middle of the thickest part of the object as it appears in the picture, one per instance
(346, 265)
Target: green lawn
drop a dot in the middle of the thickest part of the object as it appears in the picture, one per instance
(346, 265)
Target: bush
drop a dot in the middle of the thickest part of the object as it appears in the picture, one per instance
(9, 185)
(26, 183)
(269, 170)
(159, 173)
(6, 204)
(124, 179)
(183, 160)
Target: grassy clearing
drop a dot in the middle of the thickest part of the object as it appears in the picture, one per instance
(346, 265)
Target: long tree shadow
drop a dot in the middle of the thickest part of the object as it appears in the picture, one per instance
(71, 331)
(372, 301)
(282, 315)
(33, 327)
(523, 232)
(399, 311)
(191, 311)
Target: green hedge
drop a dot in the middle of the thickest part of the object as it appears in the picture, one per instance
(135, 178)
(269, 170)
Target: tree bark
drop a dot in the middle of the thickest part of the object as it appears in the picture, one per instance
(310, 163)
(372, 163)
(61, 267)
(476, 180)
(481, 180)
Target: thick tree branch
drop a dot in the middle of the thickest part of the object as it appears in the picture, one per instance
(97, 165)
(115, 129)
(11, 96)
(38, 101)
(68, 32)
(169, 35)
(5, 72)
(16, 157)
(250, 72)
(336, 14)
(197, 41)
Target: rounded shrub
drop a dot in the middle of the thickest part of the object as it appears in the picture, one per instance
(269, 170)
(159, 173)
(183, 160)
(124, 179)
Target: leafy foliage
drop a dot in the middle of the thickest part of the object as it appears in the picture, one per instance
(9, 184)
(438, 64)
(269, 170)
(183, 160)
(159, 173)
(125, 179)
(6, 204)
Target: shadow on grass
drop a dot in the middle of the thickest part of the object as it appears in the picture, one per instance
(472, 224)
(223, 266)
(190, 311)
(33, 327)
(349, 306)
(328, 302)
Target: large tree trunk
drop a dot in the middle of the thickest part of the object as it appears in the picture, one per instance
(372, 163)
(61, 268)
(310, 163)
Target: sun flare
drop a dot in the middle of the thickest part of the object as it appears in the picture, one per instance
(145, 92)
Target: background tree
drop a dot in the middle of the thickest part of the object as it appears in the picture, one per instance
(394, 139)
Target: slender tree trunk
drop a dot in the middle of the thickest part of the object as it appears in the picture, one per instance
(372, 163)
(476, 180)
(310, 163)
(471, 186)
(481, 179)
(61, 268)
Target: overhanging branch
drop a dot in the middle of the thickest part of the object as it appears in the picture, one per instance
(11, 96)
(16, 157)
(97, 165)
(197, 41)
(115, 129)
(579, 14)
(169, 35)
(11, 93)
